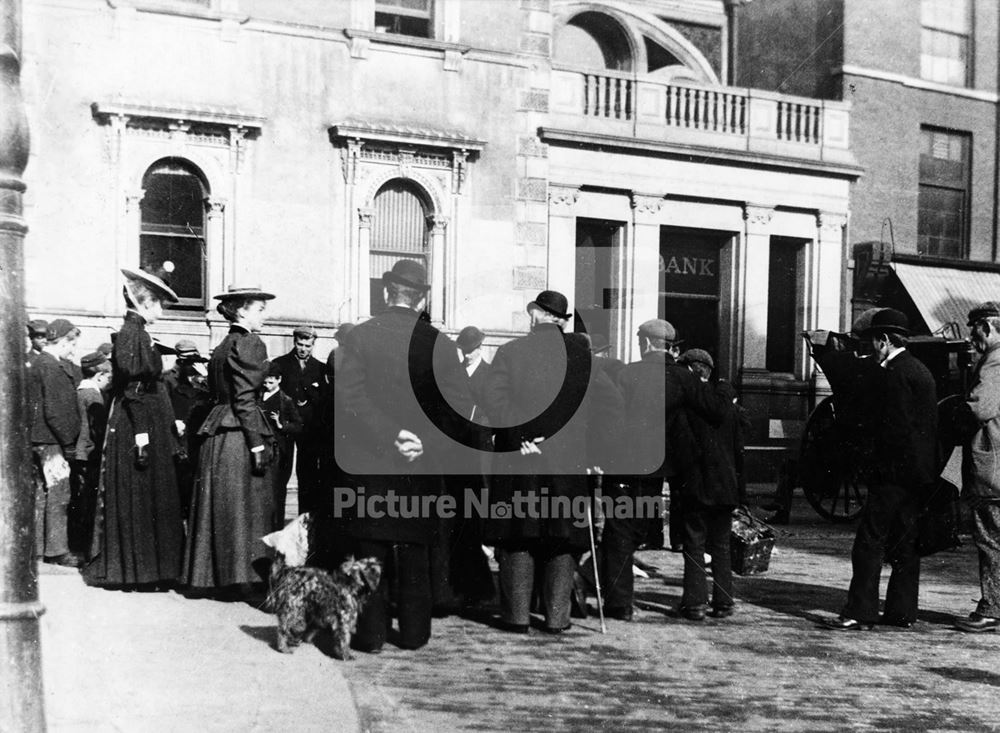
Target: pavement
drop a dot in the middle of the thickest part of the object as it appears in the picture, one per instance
(118, 661)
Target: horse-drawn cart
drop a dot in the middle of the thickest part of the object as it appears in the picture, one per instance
(836, 456)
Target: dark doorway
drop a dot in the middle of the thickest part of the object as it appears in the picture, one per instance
(597, 241)
(689, 285)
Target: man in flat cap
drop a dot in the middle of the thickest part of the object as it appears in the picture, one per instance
(710, 490)
(545, 401)
(393, 448)
(906, 454)
(981, 464)
(302, 379)
(657, 446)
(55, 427)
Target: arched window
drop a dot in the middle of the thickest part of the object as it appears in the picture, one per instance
(400, 230)
(595, 41)
(172, 227)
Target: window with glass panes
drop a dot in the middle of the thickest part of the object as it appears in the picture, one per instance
(400, 230)
(406, 17)
(945, 41)
(172, 227)
(943, 198)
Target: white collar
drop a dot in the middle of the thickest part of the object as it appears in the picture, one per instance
(893, 355)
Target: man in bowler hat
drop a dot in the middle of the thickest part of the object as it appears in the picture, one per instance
(545, 400)
(905, 445)
(393, 447)
(302, 379)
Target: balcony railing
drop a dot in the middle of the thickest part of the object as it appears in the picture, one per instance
(751, 120)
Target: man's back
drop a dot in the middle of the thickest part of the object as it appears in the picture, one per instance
(906, 431)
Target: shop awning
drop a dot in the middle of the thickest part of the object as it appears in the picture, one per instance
(945, 295)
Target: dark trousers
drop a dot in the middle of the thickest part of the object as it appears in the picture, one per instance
(556, 566)
(83, 480)
(307, 472)
(406, 568)
(282, 473)
(986, 535)
(887, 529)
(622, 537)
(459, 569)
(707, 529)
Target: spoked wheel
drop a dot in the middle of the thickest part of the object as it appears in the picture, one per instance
(833, 477)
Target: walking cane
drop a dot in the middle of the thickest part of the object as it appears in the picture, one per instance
(597, 577)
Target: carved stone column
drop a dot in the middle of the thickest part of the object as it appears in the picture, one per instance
(828, 284)
(364, 258)
(561, 262)
(128, 243)
(643, 272)
(437, 270)
(756, 265)
(21, 703)
(219, 261)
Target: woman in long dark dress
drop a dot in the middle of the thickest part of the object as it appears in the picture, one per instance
(139, 535)
(234, 496)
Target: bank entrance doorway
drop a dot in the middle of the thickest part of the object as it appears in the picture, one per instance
(689, 285)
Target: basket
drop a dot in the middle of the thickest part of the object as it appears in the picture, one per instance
(751, 544)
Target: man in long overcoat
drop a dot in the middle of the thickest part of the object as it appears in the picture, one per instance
(543, 399)
(906, 452)
(396, 445)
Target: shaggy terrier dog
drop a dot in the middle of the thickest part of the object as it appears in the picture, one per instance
(307, 599)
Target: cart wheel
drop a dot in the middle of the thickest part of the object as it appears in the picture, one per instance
(832, 475)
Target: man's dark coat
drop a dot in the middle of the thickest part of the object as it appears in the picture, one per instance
(376, 393)
(543, 385)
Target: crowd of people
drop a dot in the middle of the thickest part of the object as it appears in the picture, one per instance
(155, 479)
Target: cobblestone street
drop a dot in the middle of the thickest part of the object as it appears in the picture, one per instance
(209, 665)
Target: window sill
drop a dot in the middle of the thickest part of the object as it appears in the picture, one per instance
(181, 9)
(397, 39)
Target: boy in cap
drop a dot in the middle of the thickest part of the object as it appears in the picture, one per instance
(285, 421)
(86, 463)
(36, 336)
(55, 427)
(189, 398)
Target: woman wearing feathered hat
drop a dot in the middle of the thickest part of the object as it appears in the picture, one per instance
(232, 505)
(139, 535)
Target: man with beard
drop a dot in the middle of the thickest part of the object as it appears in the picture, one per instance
(981, 465)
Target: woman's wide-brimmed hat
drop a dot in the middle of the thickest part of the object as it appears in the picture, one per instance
(551, 302)
(246, 293)
(888, 320)
(409, 273)
(153, 282)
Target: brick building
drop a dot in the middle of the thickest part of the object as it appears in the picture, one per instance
(921, 78)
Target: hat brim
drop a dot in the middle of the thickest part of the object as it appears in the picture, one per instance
(246, 294)
(550, 311)
(158, 286)
(872, 330)
(392, 277)
(191, 358)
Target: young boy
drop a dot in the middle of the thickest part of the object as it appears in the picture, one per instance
(85, 466)
(285, 420)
